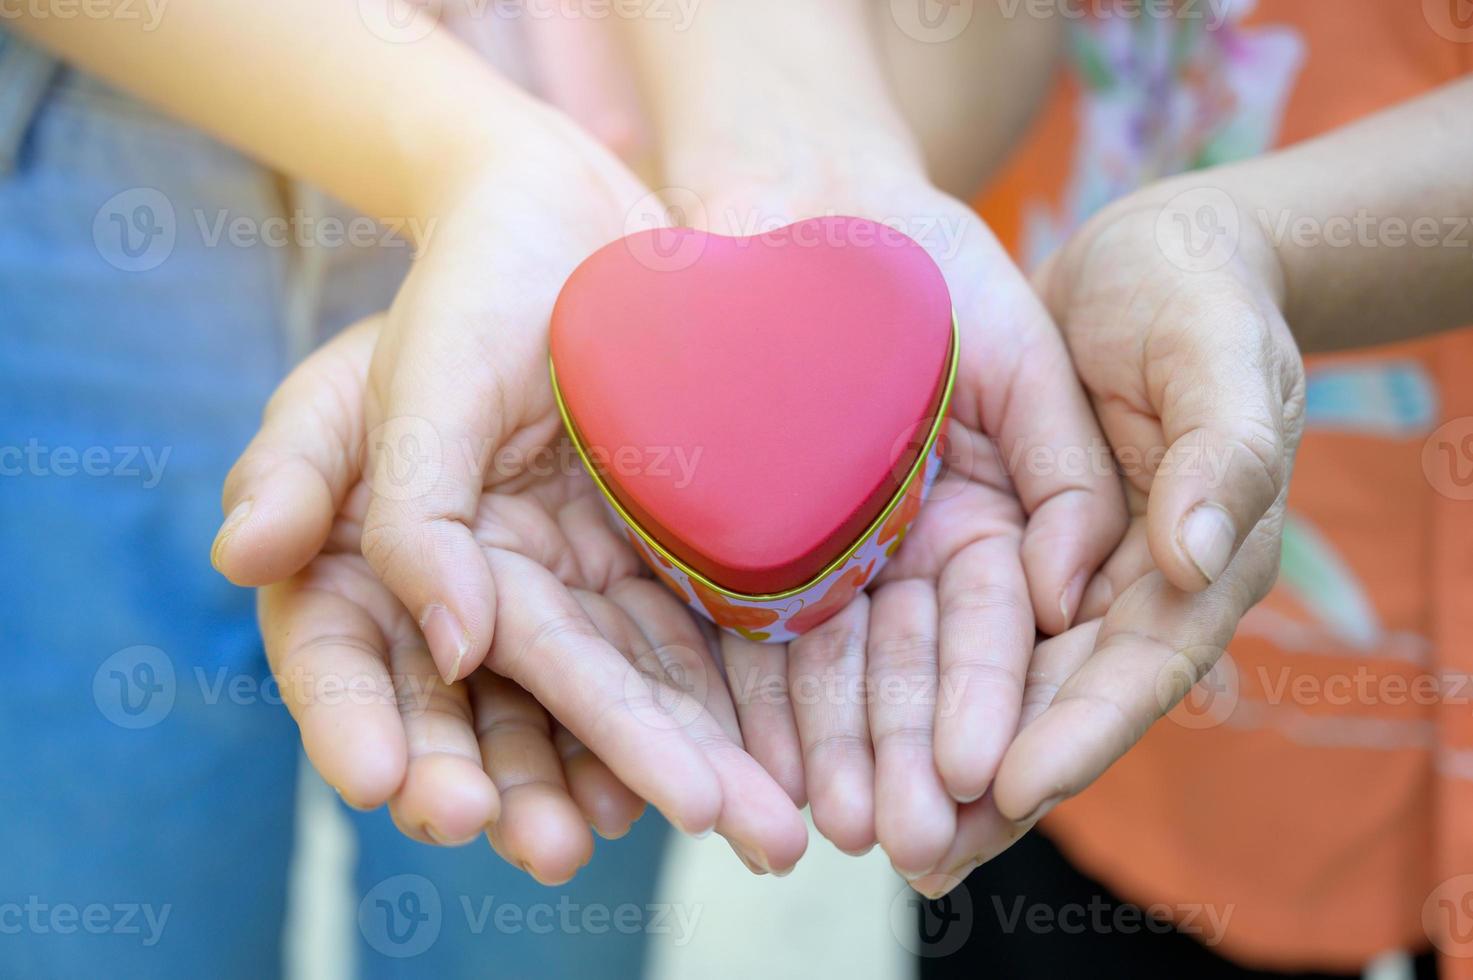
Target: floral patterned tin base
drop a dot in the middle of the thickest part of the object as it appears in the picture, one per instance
(784, 618)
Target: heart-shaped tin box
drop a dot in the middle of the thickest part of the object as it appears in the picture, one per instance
(762, 414)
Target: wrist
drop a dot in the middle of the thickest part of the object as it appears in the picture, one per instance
(1211, 221)
(748, 176)
(742, 105)
(792, 151)
(523, 144)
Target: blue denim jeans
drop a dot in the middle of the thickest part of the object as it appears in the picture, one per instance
(147, 769)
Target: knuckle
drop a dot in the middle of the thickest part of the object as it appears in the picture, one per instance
(833, 645)
(845, 744)
(905, 653)
(918, 735)
(519, 724)
(381, 540)
(1260, 445)
(978, 674)
(552, 635)
(980, 601)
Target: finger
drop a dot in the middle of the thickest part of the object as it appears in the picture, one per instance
(318, 643)
(826, 676)
(1062, 469)
(540, 829)
(1155, 643)
(986, 633)
(1031, 400)
(982, 831)
(1131, 562)
(915, 817)
(447, 797)
(547, 644)
(673, 636)
(607, 804)
(1230, 436)
(757, 818)
(604, 557)
(757, 676)
(677, 643)
(445, 415)
(282, 494)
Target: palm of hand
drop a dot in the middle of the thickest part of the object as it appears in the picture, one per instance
(488, 540)
(921, 683)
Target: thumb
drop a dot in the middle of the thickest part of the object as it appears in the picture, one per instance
(1230, 402)
(281, 496)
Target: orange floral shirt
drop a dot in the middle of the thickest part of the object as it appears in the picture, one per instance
(1318, 787)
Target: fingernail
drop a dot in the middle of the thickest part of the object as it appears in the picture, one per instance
(1069, 598)
(447, 639)
(938, 883)
(544, 882)
(615, 834)
(1042, 810)
(1207, 535)
(232, 524)
(695, 835)
(350, 804)
(959, 873)
(859, 853)
(754, 861)
(964, 800)
(912, 876)
(443, 842)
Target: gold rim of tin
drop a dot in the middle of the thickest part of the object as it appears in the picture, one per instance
(916, 469)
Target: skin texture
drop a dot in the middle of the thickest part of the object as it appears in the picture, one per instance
(476, 555)
(634, 674)
(924, 716)
(897, 712)
(1183, 362)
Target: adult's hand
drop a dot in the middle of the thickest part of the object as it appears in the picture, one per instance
(1199, 386)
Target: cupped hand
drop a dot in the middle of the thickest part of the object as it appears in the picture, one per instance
(1200, 389)
(489, 539)
(892, 718)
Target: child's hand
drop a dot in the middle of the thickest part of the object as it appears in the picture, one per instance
(598, 644)
(1199, 387)
(475, 515)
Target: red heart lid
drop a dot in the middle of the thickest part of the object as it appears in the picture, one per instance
(754, 404)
